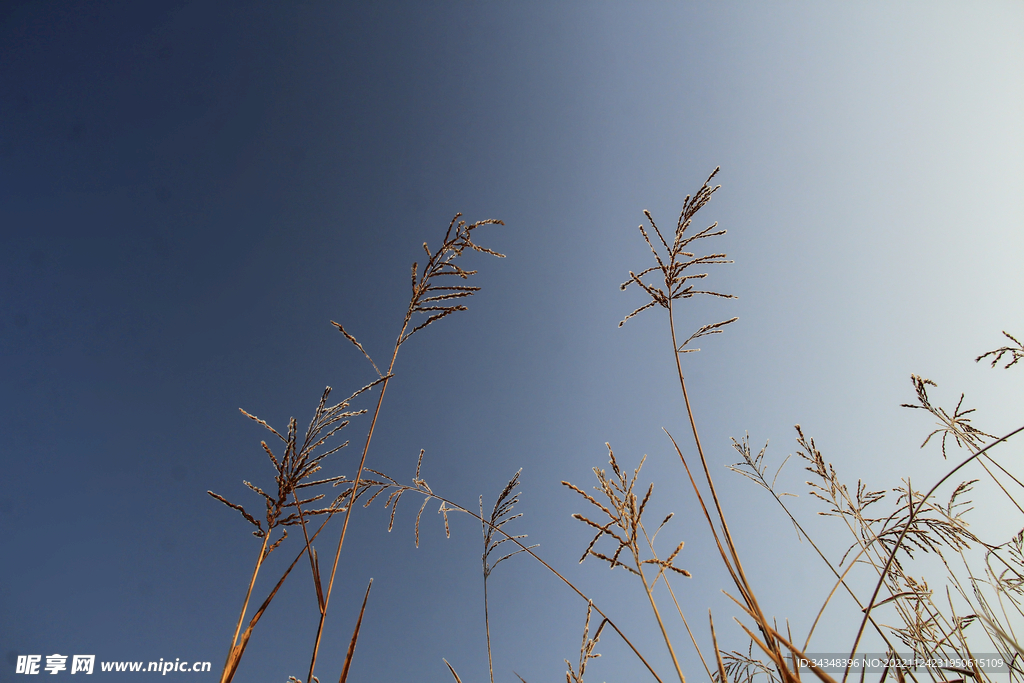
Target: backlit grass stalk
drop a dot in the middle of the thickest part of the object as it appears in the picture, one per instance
(677, 281)
(430, 297)
(624, 510)
(295, 467)
(500, 516)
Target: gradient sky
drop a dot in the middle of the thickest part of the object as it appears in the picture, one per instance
(190, 192)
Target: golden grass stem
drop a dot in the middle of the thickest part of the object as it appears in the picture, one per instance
(825, 678)
(355, 636)
(661, 624)
(229, 669)
(487, 631)
(351, 505)
(679, 609)
(487, 618)
(457, 679)
(842, 581)
(739, 576)
(314, 562)
(999, 483)
(718, 653)
(233, 653)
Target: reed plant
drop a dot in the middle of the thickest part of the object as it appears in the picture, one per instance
(975, 602)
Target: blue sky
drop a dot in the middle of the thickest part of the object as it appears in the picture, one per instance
(190, 192)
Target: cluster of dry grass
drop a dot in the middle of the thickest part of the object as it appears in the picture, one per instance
(976, 603)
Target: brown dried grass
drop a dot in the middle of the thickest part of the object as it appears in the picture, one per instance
(882, 544)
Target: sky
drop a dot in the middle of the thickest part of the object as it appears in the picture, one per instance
(190, 192)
